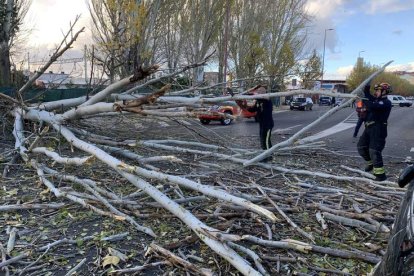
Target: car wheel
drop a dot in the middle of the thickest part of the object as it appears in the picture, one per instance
(256, 119)
(310, 108)
(226, 121)
(204, 121)
(291, 108)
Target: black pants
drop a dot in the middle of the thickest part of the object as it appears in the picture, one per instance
(358, 126)
(371, 144)
(265, 135)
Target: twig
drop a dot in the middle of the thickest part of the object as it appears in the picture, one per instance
(351, 222)
(12, 240)
(304, 247)
(33, 263)
(28, 206)
(251, 254)
(283, 214)
(28, 253)
(3, 259)
(139, 268)
(73, 270)
(174, 259)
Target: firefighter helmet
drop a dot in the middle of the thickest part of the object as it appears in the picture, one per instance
(383, 87)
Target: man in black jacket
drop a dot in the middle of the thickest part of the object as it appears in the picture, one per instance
(264, 116)
(372, 141)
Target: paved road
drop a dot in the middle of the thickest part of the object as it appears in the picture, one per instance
(336, 130)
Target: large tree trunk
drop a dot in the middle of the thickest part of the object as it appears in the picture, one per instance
(4, 64)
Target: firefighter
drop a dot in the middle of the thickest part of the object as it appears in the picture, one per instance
(372, 141)
(264, 116)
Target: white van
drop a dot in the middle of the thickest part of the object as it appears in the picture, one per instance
(405, 102)
(399, 100)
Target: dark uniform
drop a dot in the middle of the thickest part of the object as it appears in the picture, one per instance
(264, 108)
(372, 141)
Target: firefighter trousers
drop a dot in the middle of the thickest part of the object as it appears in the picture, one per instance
(371, 143)
(265, 135)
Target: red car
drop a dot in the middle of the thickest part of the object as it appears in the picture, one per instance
(229, 107)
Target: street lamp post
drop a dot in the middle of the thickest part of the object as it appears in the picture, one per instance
(359, 53)
(323, 56)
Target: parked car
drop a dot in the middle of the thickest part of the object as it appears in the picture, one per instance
(404, 102)
(399, 100)
(301, 103)
(339, 101)
(324, 100)
(229, 107)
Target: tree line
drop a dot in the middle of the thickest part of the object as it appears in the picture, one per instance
(363, 69)
(246, 38)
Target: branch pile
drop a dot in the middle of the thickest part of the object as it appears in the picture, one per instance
(102, 189)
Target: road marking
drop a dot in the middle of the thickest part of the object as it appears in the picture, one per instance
(352, 118)
(185, 122)
(281, 130)
(412, 150)
(280, 111)
(332, 130)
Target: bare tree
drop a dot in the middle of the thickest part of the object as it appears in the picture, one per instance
(201, 21)
(245, 43)
(267, 37)
(310, 70)
(169, 31)
(123, 32)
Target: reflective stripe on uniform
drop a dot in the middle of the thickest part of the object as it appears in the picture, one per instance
(380, 170)
(369, 123)
(268, 139)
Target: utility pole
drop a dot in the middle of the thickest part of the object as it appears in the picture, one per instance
(28, 62)
(86, 63)
(323, 56)
(226, 34)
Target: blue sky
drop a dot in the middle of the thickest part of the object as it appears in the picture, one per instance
(383, 29)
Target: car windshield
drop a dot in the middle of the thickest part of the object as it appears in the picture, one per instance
(325, 98)
(300, 100)
(401, 98)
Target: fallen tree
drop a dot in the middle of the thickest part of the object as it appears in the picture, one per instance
(76, 153)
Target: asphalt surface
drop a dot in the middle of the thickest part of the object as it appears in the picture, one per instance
(336, 130)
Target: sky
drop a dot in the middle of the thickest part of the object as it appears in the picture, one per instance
(377, 30)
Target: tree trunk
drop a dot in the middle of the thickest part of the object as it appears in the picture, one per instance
(4, 64)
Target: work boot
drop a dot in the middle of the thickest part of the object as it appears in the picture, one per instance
(380, 177)
(369, 168)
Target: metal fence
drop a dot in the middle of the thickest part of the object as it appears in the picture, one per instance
(46, 95)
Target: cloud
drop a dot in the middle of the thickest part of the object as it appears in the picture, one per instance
(50, 19)
(388, 6)
(323, 9)
(401, 67)
(397, 32)
(345, 70)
